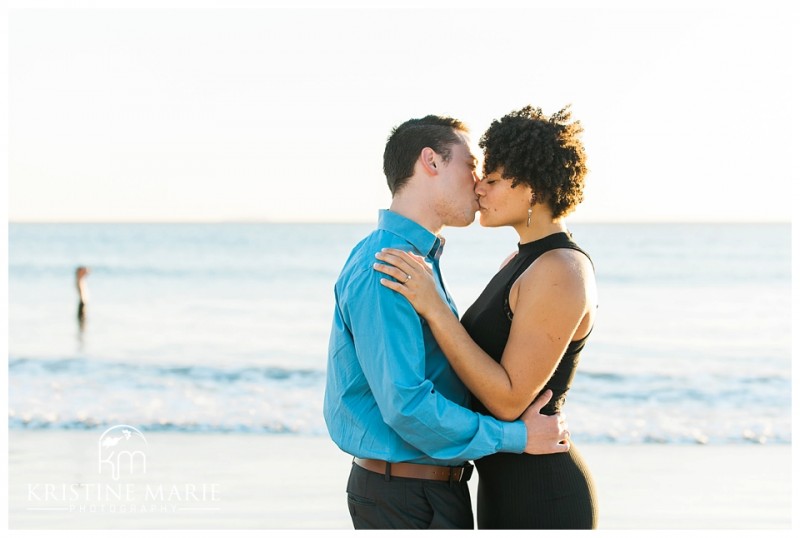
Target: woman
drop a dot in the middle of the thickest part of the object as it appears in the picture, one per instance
(525, 332)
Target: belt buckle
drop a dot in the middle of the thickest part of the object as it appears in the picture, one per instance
(460, 474)
(466, 473)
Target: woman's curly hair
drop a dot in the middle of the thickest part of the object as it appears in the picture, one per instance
(543, 153)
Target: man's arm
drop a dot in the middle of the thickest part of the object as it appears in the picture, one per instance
(388, 336)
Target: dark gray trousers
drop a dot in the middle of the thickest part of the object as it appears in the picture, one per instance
(379, 502)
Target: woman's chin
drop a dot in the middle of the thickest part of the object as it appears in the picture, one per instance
(485, 221)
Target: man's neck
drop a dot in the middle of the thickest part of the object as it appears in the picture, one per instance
(419, 209)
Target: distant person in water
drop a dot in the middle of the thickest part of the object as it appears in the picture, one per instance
(80, 283)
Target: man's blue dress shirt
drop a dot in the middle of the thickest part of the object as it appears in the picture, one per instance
(390, 393)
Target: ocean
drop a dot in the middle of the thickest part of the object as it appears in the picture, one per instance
(224, 327)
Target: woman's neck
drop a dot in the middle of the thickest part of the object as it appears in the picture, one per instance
(542, 224)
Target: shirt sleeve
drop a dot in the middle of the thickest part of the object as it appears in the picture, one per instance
(388, 336)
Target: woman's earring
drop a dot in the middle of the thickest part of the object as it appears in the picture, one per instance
(530, 209)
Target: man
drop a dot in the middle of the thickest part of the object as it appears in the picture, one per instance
(392, 400)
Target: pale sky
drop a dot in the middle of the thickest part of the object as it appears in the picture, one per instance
(281, 114)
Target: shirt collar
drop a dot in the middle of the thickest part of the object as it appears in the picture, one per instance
(424, 241)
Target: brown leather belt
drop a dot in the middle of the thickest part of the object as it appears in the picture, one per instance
(416, 470)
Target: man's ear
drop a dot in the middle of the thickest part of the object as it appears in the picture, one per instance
(427, 158)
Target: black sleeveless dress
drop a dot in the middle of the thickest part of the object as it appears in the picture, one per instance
(523, 491)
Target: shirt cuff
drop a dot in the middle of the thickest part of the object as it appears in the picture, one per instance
(515, 437)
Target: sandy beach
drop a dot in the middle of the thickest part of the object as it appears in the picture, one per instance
(199, 481)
